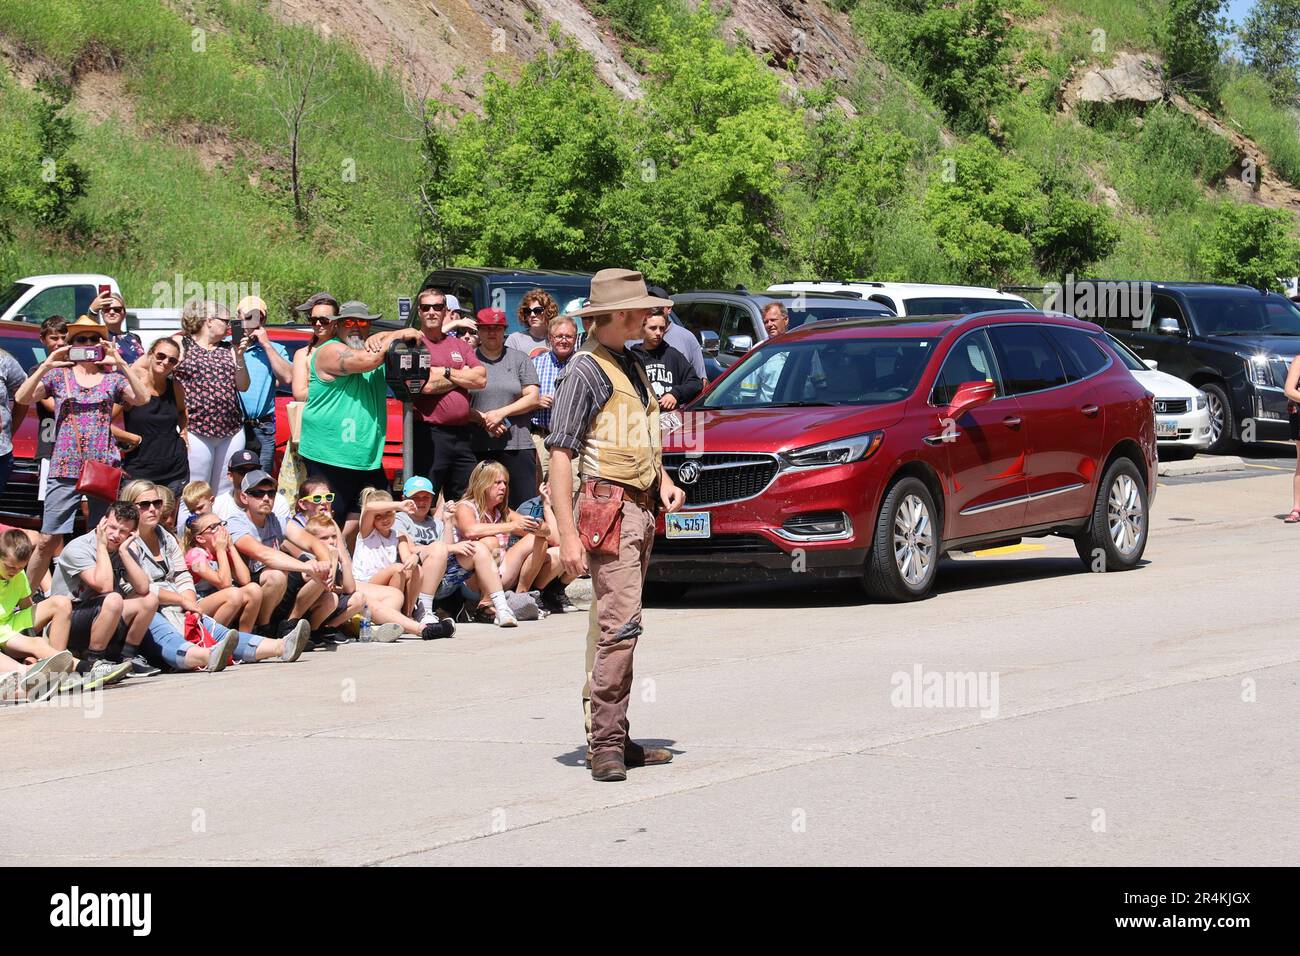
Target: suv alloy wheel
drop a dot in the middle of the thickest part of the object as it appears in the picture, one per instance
(1117, 532)
(1221, 423)
(905, 549)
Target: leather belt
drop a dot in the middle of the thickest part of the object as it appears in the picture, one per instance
(648, 500)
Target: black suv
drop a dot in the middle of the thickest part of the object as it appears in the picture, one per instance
(1233, 342)
(477, 287)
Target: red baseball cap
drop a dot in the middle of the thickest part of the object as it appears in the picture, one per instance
(492, 317)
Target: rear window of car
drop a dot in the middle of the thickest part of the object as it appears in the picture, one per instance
(27, 349)
(1082, 354)
(961, 305)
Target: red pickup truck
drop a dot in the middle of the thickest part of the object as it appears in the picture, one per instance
(18, 499)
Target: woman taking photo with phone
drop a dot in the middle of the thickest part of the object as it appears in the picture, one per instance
(110, 308)
(84, 393)
(213, 373)
(153, 434)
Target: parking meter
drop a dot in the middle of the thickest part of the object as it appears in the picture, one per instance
(407, 369)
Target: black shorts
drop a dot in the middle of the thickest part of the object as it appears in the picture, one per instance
(80, 622)
(1295, 423)
(347, 485)
(445, 454)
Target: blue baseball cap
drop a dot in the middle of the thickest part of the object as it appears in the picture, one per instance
(416, 484)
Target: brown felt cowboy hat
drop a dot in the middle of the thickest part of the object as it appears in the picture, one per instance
(617, 290)
(85, 323)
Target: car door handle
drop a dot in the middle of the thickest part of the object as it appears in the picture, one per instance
(1011, 421)
(1089, 410)
(941, 439)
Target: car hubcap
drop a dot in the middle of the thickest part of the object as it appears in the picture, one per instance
(1216, 415)
(1126, 516)
(913, 540)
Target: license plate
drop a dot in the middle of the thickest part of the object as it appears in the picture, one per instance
(1167, 428)
(687, 524)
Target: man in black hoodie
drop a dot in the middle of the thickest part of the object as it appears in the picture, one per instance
(675, 381)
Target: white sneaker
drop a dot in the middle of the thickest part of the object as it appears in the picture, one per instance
(505, 618)
(220, 652)
(385, 633)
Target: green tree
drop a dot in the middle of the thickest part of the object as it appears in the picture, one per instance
(963, 51)
(1270, 40)
(1192, 33)
(1251, 244)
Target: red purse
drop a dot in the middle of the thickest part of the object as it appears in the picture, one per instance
(197, 634)
(98, 479)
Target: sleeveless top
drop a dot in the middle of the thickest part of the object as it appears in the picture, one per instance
(210, 392)
(346, 419)
(161, 455)
(497, 517)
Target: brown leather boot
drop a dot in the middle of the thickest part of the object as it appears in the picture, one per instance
(608, 767)
(635, 755)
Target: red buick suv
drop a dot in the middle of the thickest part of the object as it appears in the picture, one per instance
(866, 449)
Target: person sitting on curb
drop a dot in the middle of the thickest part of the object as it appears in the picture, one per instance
(294, 588)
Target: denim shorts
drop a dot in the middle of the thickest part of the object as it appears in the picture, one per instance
(63, 504)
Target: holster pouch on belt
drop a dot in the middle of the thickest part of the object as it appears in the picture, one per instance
(600, 516)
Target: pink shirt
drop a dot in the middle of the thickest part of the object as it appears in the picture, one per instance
(452, 407)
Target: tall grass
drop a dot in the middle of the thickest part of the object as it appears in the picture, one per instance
(1246, 99)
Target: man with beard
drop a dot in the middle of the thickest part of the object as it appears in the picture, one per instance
(346, 417)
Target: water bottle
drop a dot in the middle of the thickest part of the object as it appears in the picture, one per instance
(365, 623)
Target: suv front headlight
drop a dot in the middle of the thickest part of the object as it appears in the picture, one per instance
(1201, 400)
(842, 451)
(1258, 370)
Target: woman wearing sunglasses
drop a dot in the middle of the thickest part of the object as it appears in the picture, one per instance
(153, 435)
(159, 555)
(536, 309)
(213, 373)
(110, 308)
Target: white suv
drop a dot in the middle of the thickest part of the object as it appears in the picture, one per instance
(916, 298)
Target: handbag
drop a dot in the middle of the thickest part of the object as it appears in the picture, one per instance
(600, 519)
(98, 479)
(196, 633)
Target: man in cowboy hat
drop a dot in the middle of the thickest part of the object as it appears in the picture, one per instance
(346, 418)
(606, 414)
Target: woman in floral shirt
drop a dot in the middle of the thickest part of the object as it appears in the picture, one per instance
(83, 393)
(213, 373)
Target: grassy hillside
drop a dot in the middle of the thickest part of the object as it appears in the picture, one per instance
(187, 162)
(199, 177)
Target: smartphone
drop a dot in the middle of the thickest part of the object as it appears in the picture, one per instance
(105, 289)
(86, 353)
(236, 331)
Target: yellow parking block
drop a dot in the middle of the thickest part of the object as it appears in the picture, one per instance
(1251, 464)
(1009, 549)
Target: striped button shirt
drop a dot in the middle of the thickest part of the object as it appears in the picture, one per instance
(582, 393)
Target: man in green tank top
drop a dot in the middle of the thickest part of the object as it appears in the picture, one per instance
(345, 421)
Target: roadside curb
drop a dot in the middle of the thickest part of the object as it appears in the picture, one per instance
(1200, 466)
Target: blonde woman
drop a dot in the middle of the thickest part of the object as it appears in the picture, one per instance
(213, 373)
(484, 516)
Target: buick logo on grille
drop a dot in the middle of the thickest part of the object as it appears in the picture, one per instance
(689, 472)
(1161, 407)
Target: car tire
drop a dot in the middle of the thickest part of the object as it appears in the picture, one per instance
(906, 545)
(1121, 498)
(1220, 409)
(663, 592)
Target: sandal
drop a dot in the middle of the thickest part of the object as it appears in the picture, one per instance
(1293, 517)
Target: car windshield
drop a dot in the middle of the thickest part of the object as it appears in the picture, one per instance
(961, 305)
(11, 295)
(1127, 358)
(824, 371)
(1246, 314)
(27, 349)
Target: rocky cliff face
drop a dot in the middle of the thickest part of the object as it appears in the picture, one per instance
(446, 46)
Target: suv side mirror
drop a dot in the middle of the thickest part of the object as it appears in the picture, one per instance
(710, 344)
(739, 344)
(971, 395)
(1168, 327)
(1151, 364)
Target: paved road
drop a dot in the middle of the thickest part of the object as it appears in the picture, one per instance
(1141, 718)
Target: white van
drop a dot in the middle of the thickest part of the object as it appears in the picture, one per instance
(915, 298)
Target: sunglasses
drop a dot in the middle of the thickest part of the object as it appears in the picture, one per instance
(212, 527)
(356, 323)
(168, 359)
(150, 503)
(426, 307)
(115, 308)
(319, 499)
(86, 340)
(260, 493)
(219, 318)
(322, 319)
(535, 310)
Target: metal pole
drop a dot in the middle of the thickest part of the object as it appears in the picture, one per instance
(408, 445)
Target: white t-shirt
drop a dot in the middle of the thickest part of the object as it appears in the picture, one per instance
(372, 554)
